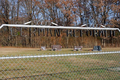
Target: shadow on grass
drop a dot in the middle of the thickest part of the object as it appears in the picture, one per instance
(100, 70)
(12, 70)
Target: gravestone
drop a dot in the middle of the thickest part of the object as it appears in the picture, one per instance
(97, 48)
(56, 47)
(43, 48)
(77, 48)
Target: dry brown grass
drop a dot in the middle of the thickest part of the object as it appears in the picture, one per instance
(32, 51)
(89, 67)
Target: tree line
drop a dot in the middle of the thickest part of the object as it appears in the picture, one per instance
(93, 13)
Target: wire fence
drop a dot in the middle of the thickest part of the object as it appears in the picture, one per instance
(90, 66)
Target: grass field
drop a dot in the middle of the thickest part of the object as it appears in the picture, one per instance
(35, 51)
(90, 67)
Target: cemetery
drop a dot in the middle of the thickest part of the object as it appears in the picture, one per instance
(59, 39)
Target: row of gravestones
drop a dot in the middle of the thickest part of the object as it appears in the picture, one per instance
(76, 48)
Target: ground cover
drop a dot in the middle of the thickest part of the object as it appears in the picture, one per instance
(90, 67)
(4, 51)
